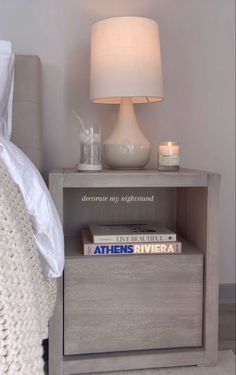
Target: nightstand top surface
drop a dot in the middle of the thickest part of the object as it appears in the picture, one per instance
(71, 178)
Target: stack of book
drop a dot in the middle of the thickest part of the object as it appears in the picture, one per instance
(117, 239)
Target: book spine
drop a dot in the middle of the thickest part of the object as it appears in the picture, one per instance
(133, 249)
(134, 238)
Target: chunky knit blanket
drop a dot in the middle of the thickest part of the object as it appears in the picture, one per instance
(26, 299)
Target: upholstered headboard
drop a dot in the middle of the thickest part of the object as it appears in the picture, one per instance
(27, 124)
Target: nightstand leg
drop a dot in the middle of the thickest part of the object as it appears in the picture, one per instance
(211, 272)
(55, 357)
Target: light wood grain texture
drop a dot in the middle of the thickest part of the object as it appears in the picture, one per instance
(191, 215)
(79, 213)
(132, 303)
(143, 178)
(190, 200)
(225, 366)
(132, 361)
(56, 322)
(227, 327)
(226, 342)
(197, 221)
(212, 271)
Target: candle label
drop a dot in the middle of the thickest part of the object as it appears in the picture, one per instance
(169, 159)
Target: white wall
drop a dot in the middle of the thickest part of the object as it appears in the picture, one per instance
(197, 38)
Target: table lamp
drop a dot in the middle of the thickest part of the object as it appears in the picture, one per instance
(126, 69)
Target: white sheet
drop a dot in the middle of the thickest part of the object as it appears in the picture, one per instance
(43, 214)
(6, 87)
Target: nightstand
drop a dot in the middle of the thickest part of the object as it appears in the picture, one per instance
(131, 312)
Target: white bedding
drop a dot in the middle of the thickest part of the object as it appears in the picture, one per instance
(43, 214)
(6, 87)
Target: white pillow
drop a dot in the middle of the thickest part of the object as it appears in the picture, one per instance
(6, 87)
(43, 214)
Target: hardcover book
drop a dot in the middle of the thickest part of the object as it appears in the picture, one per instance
(90, 248)
(130, 233)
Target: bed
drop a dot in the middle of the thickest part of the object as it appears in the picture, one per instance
(27, 118)
(27, 299)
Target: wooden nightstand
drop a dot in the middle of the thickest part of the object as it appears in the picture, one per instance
(130, 312)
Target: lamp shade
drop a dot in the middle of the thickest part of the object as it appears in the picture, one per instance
(125, 61)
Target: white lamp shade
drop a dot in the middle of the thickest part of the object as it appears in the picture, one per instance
(125, 61)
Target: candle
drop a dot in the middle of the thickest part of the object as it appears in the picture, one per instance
(168, 156)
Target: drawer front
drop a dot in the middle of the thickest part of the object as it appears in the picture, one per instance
(132, 303)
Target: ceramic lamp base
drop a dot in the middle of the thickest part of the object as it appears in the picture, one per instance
(126, 147)
(121, 156)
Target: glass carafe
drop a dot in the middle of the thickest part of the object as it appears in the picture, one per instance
(90, 149)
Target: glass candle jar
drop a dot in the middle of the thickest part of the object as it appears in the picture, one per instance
(90, 149)
(168, 158)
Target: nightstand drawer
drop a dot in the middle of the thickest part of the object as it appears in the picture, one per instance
(128, 303)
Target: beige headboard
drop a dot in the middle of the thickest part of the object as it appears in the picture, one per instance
(27, 124)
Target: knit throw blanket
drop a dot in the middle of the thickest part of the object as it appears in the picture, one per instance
(26, 299)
